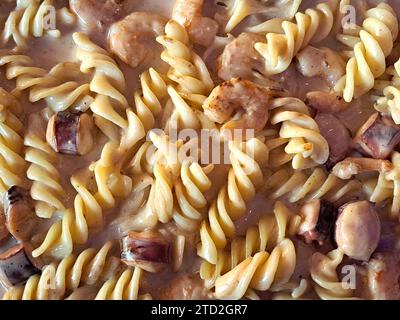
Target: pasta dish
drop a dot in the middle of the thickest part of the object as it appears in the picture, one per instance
(199, 149)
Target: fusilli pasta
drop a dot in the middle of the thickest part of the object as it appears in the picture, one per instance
(57, 280)
(375, 43)
(306, 145)
(244, 178)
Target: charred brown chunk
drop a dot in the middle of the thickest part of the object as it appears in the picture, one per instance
(20, 213)
(326, 102)
(70, 132)
(148, 250)
(318, 221)
(16, 266)
(358, 230)
(378, 136)
(3, 228)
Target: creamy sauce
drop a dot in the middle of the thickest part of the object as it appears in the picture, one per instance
(46, 52)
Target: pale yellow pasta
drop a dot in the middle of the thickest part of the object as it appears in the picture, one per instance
(190, 202)
(148, 100)
(292, 290)
(386, 187)
(238, 10)
(378, 33)
(12, 163)
(244, 178)
(325, 279)
(307, 147)
(270, 230)
(308, 185)
(30, 18)
(122, 287)
(108, 83)
(187, 68)
(90, 201)
(259, 272)
(90, 267)
(310, 27)
(58, 87)
(46, 186)
(389, 104)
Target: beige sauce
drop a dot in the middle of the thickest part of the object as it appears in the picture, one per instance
(47, 52)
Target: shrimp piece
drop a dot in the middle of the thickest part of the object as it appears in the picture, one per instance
(240, 59)
(202, 30)
(97, 14)
(245, 98)
(321, 62)
(133, 38)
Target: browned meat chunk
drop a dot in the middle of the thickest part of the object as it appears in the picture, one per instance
(16, 266)
(21, 219)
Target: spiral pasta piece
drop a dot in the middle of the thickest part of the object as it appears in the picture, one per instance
(323, 273)
(386, 187)
(259, 272)
(308, 185)
(389, 104)
(123, 287)
(310, 27)
(378, 33)
(58, 87)
(108, 83)
(190, 201)
(89, 204)
(270, 230)
(30, 18)
(244, 178)
(187, 69)
(90, 267)
(46, 188)
(238, 10)
(306, 144)
(148, 100)
(12, 163)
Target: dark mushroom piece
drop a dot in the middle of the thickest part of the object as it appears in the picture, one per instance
(358, 230)
(148, 250)
(70, 132)
(15, 266)
(19, 210)
(378, 136)
(337, 136)
(318, 221)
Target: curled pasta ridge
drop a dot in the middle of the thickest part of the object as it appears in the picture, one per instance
(90, 267)
(244, 178)
(376, 37)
